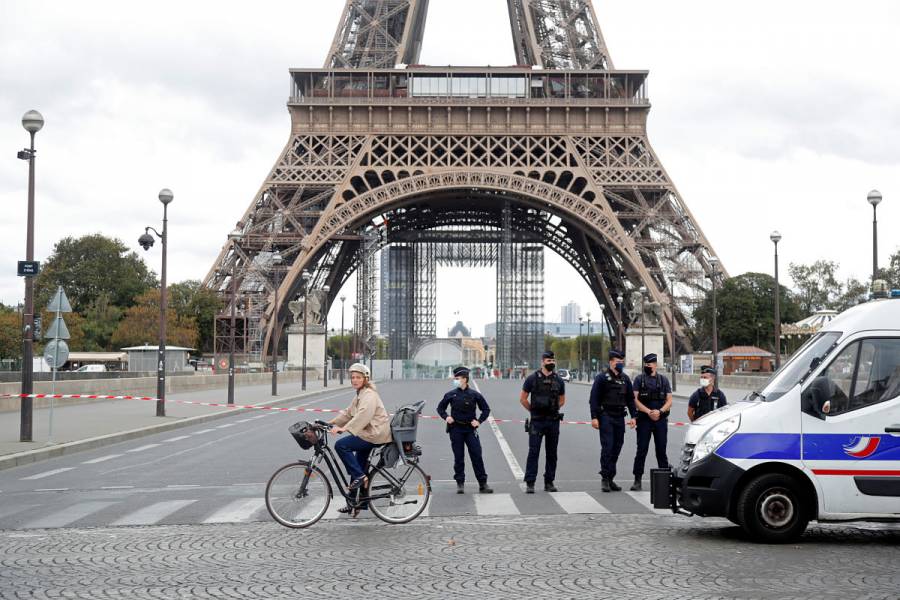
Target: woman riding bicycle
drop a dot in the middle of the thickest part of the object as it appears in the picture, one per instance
(367, 422)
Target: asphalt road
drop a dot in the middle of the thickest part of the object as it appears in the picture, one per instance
(216, 472)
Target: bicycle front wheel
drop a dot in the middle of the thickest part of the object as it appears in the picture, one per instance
(399, 494)
(298, 495)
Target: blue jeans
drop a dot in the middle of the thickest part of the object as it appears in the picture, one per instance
(354, 453)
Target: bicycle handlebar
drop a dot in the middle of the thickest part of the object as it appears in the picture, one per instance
(323, 424)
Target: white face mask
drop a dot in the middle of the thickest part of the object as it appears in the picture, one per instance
(457, 383)
(704, 382)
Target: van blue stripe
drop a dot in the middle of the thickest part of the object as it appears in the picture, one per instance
(776, 446)
(815, 446)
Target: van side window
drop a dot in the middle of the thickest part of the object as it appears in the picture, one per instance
(878, 374)
(829, 393)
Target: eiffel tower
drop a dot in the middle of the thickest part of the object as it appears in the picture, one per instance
(552, 152)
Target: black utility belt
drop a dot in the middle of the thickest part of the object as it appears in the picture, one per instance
(546, 417)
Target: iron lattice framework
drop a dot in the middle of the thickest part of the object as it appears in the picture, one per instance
(378, 155)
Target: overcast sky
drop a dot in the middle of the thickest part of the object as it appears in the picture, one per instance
(767, 114)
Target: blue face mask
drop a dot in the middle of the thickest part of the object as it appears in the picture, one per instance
(620, 366)
(457, 383)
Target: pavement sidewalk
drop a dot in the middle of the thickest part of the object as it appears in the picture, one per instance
(94, 424)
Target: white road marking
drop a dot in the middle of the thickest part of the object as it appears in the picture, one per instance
(225, 425)
(495, 504)
(46, 474)
(514, 466)
(117, 487)
(239, 511)
(52, 490)
(94, 461)
(150, 515)
(142, 448)
(644, 499)
(203, 431)
(578, 503)
(177, 438)
(68, 515)
(184, 485)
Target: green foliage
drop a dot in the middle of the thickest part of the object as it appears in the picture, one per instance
(816, 285)
(745, 311)
(141, 323)
(190, 300)
(891, 273)
(90, 267)
(10, 333)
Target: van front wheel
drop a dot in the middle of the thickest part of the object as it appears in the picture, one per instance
(770, 509)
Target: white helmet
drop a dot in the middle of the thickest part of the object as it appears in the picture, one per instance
(359, 368)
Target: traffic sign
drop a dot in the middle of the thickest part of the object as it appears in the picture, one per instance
(28, 268)
(56, 353)
(58, 329)
(59, 303)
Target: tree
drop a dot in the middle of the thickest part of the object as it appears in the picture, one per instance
(190, 300)
(91, 266)
(745, 312)
(141, 323)
(10, 333)
(816, 285)
(853, 292)
(100, 321)
(891, 274)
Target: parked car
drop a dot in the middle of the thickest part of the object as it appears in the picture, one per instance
(91, 369)
(565, 375)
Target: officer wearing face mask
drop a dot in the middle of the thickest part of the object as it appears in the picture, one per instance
(708, 398)
(548, 395)
(462, 425)
(653, 398)
(611, 395)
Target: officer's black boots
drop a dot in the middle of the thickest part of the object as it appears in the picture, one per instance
(614, 486)
(529, 488)
(637, 485)
(484, 489)
(549, 487)
(604, 485)
(460, 487)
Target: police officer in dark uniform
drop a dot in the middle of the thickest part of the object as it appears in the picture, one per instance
(463, 429)
(548, 395)
(708, 397)
(653, 398)
(611, 395)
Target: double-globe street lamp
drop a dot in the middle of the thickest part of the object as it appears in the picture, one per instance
(776, 237)
(32, 121)
(276, 259)
(146, 241)
(874, 199)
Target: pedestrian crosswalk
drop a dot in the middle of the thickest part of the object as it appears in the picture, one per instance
(139, 509)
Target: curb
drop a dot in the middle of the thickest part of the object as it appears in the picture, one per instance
(31, 456)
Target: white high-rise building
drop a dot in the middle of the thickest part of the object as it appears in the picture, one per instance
(570, 313)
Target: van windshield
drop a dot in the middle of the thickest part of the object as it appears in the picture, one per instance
(795, 370)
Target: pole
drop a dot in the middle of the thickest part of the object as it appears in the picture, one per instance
(275, 341)
(777, 314)
(26, 410)
(581, 373)
(715, 325)
(231, 346)
(325, 376)
(305, 321)
(874, 242)
(672, 332)
(343, 359)
(163, 306)
(589, 361)
(642, 327)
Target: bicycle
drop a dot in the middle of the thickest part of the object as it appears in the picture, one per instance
(299, 493)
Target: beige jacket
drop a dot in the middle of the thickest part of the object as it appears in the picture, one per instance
(366, 418)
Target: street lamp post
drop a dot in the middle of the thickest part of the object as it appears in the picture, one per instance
(776, 237)
(602, 319)
(232, 336)
(305, 276)
(393, 332)
(581, 374)
(620, 335)
(874, 199)
(672, 331)
(714, 265)
(590, 363)
(32, 121)
(643, 291)
(343, 356)
(276, 262)
(325, 289)
(146, 240)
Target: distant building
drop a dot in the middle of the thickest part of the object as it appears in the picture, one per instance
(570, 313)
(560, 330)
(459, 330)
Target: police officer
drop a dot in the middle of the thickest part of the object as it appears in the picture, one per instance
(611, 395)
(463, 428)
(653, 398)
(707, 398)
(548, 395)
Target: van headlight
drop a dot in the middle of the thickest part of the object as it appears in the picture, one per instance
(715, 436)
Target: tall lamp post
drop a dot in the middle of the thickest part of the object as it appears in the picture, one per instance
(672, 331)
(305, 278)
(776, 237)
(714, 265)
(643, 291)
(276, 262)
(32, 121)
(326, 289)
(602, 319)
(343, 356)
(874, 199)
(590, 362)
(393, 333)
(165, 197)
(620, 335)
(580, 357)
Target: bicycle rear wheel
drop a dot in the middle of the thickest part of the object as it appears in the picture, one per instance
(399, 494)
(298, 495)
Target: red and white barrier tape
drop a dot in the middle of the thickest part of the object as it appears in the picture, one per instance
(254, 406)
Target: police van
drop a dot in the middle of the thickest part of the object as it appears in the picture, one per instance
(820, 441)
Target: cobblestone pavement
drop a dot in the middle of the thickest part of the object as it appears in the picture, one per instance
(567, 556)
